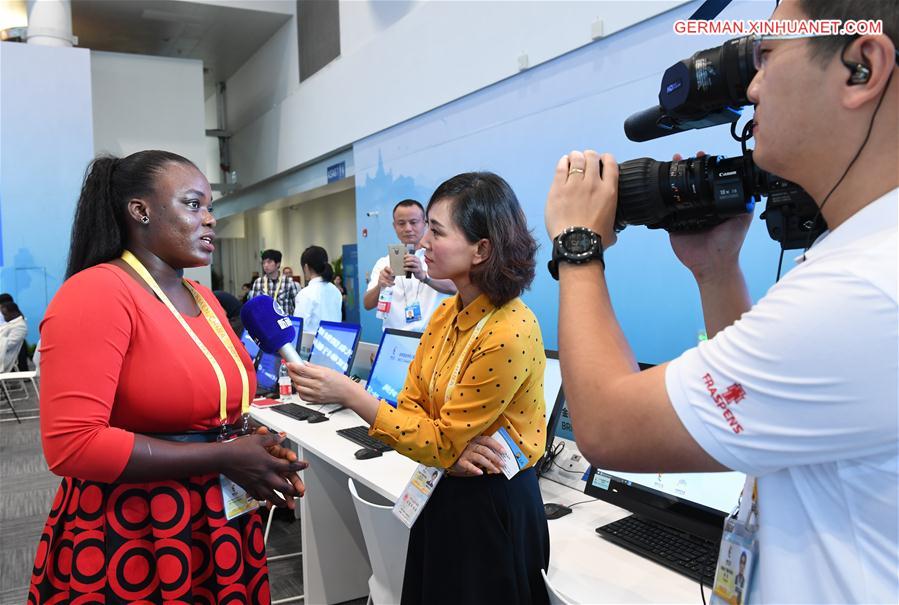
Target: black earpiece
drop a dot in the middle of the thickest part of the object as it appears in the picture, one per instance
(859, 73)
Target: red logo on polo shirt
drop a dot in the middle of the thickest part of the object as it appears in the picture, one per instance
(732, 394)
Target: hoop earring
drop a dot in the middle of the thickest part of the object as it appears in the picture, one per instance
(145, 219)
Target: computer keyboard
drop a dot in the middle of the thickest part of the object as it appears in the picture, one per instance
(297, 412)
(686, 554)
(359, 434)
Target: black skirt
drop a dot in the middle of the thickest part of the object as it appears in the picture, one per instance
(479, 540)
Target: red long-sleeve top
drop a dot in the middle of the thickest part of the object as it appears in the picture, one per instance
(114, 362)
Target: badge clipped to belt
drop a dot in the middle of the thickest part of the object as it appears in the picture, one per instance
(417, 493)
(738, 556)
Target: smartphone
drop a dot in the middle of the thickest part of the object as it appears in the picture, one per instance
(396, 253)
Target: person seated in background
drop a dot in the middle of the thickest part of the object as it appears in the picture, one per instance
(245, 292)
(12, 335)
(479, 368)
(5, 298)
(320, 299)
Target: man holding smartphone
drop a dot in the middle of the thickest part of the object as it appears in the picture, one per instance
(413, 294)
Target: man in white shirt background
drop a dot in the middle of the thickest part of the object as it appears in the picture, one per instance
(414, 298)
(320, 299)
(800, 389)
(12, 335)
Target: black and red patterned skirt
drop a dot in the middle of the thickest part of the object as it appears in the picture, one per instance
(162, 541)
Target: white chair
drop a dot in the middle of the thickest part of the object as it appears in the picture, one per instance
(12, 382)
(555, 597)
(386, 540)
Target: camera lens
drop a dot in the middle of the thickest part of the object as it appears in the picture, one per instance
(687, 195)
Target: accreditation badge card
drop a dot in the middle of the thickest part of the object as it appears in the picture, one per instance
(417, 493)
(513, 458)
(236, 500)
(739, 551)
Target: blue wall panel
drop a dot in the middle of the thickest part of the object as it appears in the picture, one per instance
(520, 127)
(45, 145)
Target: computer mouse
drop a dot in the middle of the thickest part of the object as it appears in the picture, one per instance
(366, 453)
(554, 511)
(318, 418)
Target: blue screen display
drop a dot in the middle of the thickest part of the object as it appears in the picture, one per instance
(334, 345)
(388, 374)
(268, 364)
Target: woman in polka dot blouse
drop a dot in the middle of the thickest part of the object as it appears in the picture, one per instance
(485, 344)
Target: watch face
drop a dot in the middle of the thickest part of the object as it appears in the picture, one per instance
(578, 242)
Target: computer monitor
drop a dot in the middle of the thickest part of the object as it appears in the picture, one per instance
(388, 372)
(267, 364)
(552, 394)
(334, 345)
(554, 399)
(693, 502)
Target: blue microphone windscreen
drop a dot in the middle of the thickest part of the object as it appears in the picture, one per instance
(265, 322)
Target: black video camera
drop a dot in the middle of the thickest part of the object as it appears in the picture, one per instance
(698, 193)
(705, 90)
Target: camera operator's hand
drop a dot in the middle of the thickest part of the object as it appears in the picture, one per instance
(581, 197)
(713, 253)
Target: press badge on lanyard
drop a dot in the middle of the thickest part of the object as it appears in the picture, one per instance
(739, 550)
(413, 312)
(235, 498)
(425, 478)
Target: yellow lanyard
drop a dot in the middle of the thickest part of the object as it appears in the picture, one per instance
(217, 327)
(454, 378)
(277, 286)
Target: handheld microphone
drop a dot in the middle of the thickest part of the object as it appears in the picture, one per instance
(410, 248)
(270, 328)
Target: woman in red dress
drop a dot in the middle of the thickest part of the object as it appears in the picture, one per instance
(142, 385)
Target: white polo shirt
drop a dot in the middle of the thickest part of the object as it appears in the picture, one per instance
(802, 392)
(319, 300)
(405, 292)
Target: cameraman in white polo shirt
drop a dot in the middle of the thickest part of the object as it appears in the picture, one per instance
(800, 389)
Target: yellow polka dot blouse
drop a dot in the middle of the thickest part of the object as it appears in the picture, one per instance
(500, 384)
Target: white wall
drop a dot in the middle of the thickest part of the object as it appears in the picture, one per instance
(142, 102)
(45, 146)
(328, 221)
(398, 60)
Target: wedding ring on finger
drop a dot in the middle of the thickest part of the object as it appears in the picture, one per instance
(575, 170)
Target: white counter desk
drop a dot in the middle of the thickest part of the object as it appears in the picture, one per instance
(583, 566)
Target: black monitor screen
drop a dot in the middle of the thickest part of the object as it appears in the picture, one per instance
(266, 364)
(552, 394)
(388, 373)
(334, 345)
(695, 502)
